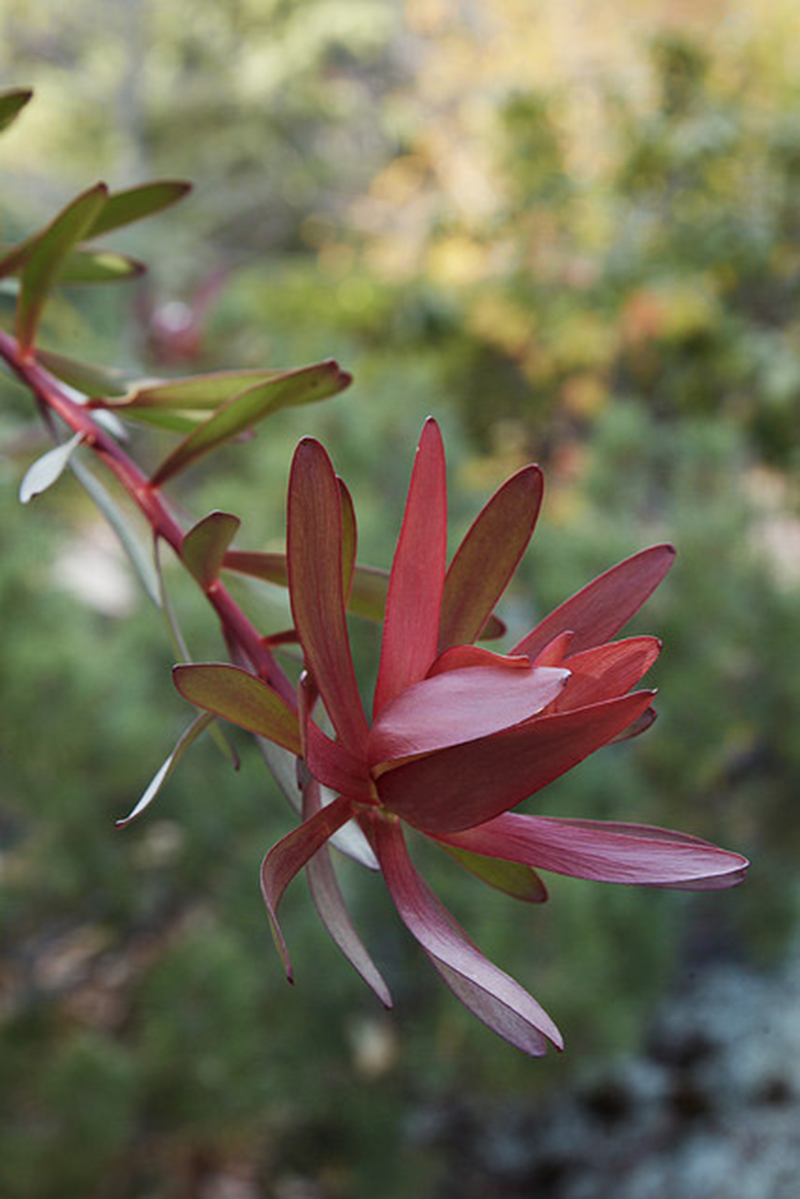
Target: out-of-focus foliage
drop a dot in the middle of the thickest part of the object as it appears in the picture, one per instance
(574, 244)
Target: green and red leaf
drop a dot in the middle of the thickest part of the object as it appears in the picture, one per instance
(314, 541)
(205, 545)
(136, 203)
(240, 697)
(488, 556)
(47, 256)
(303, 386)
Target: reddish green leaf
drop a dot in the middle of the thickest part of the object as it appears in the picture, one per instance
(85, 377)
(241, 698)
(136, 203)
(196, 392)
(303, 386)
(314, 539)
(47, 257)
(204, 546)
(514, 879)
(488, 557)
(189, 736)
(11, 104)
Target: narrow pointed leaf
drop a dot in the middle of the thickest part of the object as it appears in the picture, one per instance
(413, 605)
(289, 856)
(605, 851)
(119, 522)
(45, 471)
(205, 545)
(86, 377)
(135, 203)
(303, 386)
(491, 994)
(512, 878)
(240, 697)
(458, 706)
(488, 557)
(196, 392)
(12, 102)
(46, 258)
(187, 739)
(466, 785)
(332, 910)
(314, 539)
(99, 266)
(601, 608)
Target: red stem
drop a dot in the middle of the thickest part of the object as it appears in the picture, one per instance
(51, 396)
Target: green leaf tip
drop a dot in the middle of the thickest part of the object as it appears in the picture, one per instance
(47, 256)
(137, 203)
(12, 103)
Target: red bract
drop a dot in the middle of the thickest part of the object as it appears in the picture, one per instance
(459, 735)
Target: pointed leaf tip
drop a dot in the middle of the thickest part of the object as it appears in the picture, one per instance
(187, 739)
(46, 255)
(416, 581)
(12, 103)
(488, 556)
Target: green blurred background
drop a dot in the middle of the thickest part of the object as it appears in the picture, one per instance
(569, 231)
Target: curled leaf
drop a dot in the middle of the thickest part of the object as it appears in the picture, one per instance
(203, 547)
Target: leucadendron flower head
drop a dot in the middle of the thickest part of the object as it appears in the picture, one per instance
(459, 736)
